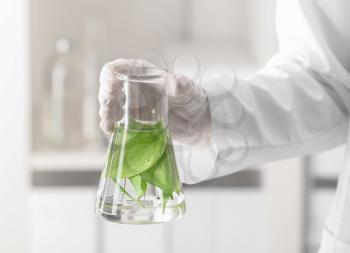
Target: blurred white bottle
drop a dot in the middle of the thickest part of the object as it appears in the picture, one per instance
(90, 109)
(62, 115)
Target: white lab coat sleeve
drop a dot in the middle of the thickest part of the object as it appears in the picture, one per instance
(298, 104)
(294, 106)
(283, 111)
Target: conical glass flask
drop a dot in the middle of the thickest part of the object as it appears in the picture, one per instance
(140, 183)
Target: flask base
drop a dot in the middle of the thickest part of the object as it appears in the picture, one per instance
(134, 214)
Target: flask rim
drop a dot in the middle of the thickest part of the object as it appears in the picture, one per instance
(142, 74)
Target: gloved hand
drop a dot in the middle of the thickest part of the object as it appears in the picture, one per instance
(189, 117)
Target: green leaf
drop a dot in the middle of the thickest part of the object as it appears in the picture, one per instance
(139, 184)
(166, 196)
(142, 151)
(135, 151)
(164, 174)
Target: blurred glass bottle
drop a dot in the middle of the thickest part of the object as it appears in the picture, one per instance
(63, 105)
(90, 129)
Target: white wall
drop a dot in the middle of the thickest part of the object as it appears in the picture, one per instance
(13, 144)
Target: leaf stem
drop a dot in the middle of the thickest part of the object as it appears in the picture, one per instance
(130, 196)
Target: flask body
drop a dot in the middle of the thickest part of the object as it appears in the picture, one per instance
(140, 182)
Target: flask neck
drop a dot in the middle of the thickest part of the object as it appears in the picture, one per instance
(146, 101)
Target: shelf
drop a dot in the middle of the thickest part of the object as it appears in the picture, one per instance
(67, 161)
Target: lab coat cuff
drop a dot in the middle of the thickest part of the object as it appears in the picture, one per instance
(228, 142)
(332, 244)
(218, 90)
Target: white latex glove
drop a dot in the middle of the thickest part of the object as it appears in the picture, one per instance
(189, 117)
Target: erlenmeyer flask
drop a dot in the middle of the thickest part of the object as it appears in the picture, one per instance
(140, 183)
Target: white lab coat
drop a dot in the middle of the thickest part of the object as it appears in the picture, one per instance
(296, 105)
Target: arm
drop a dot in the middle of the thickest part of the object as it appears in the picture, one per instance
(296, 105)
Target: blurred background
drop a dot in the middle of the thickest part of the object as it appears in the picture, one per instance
(52, 151)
